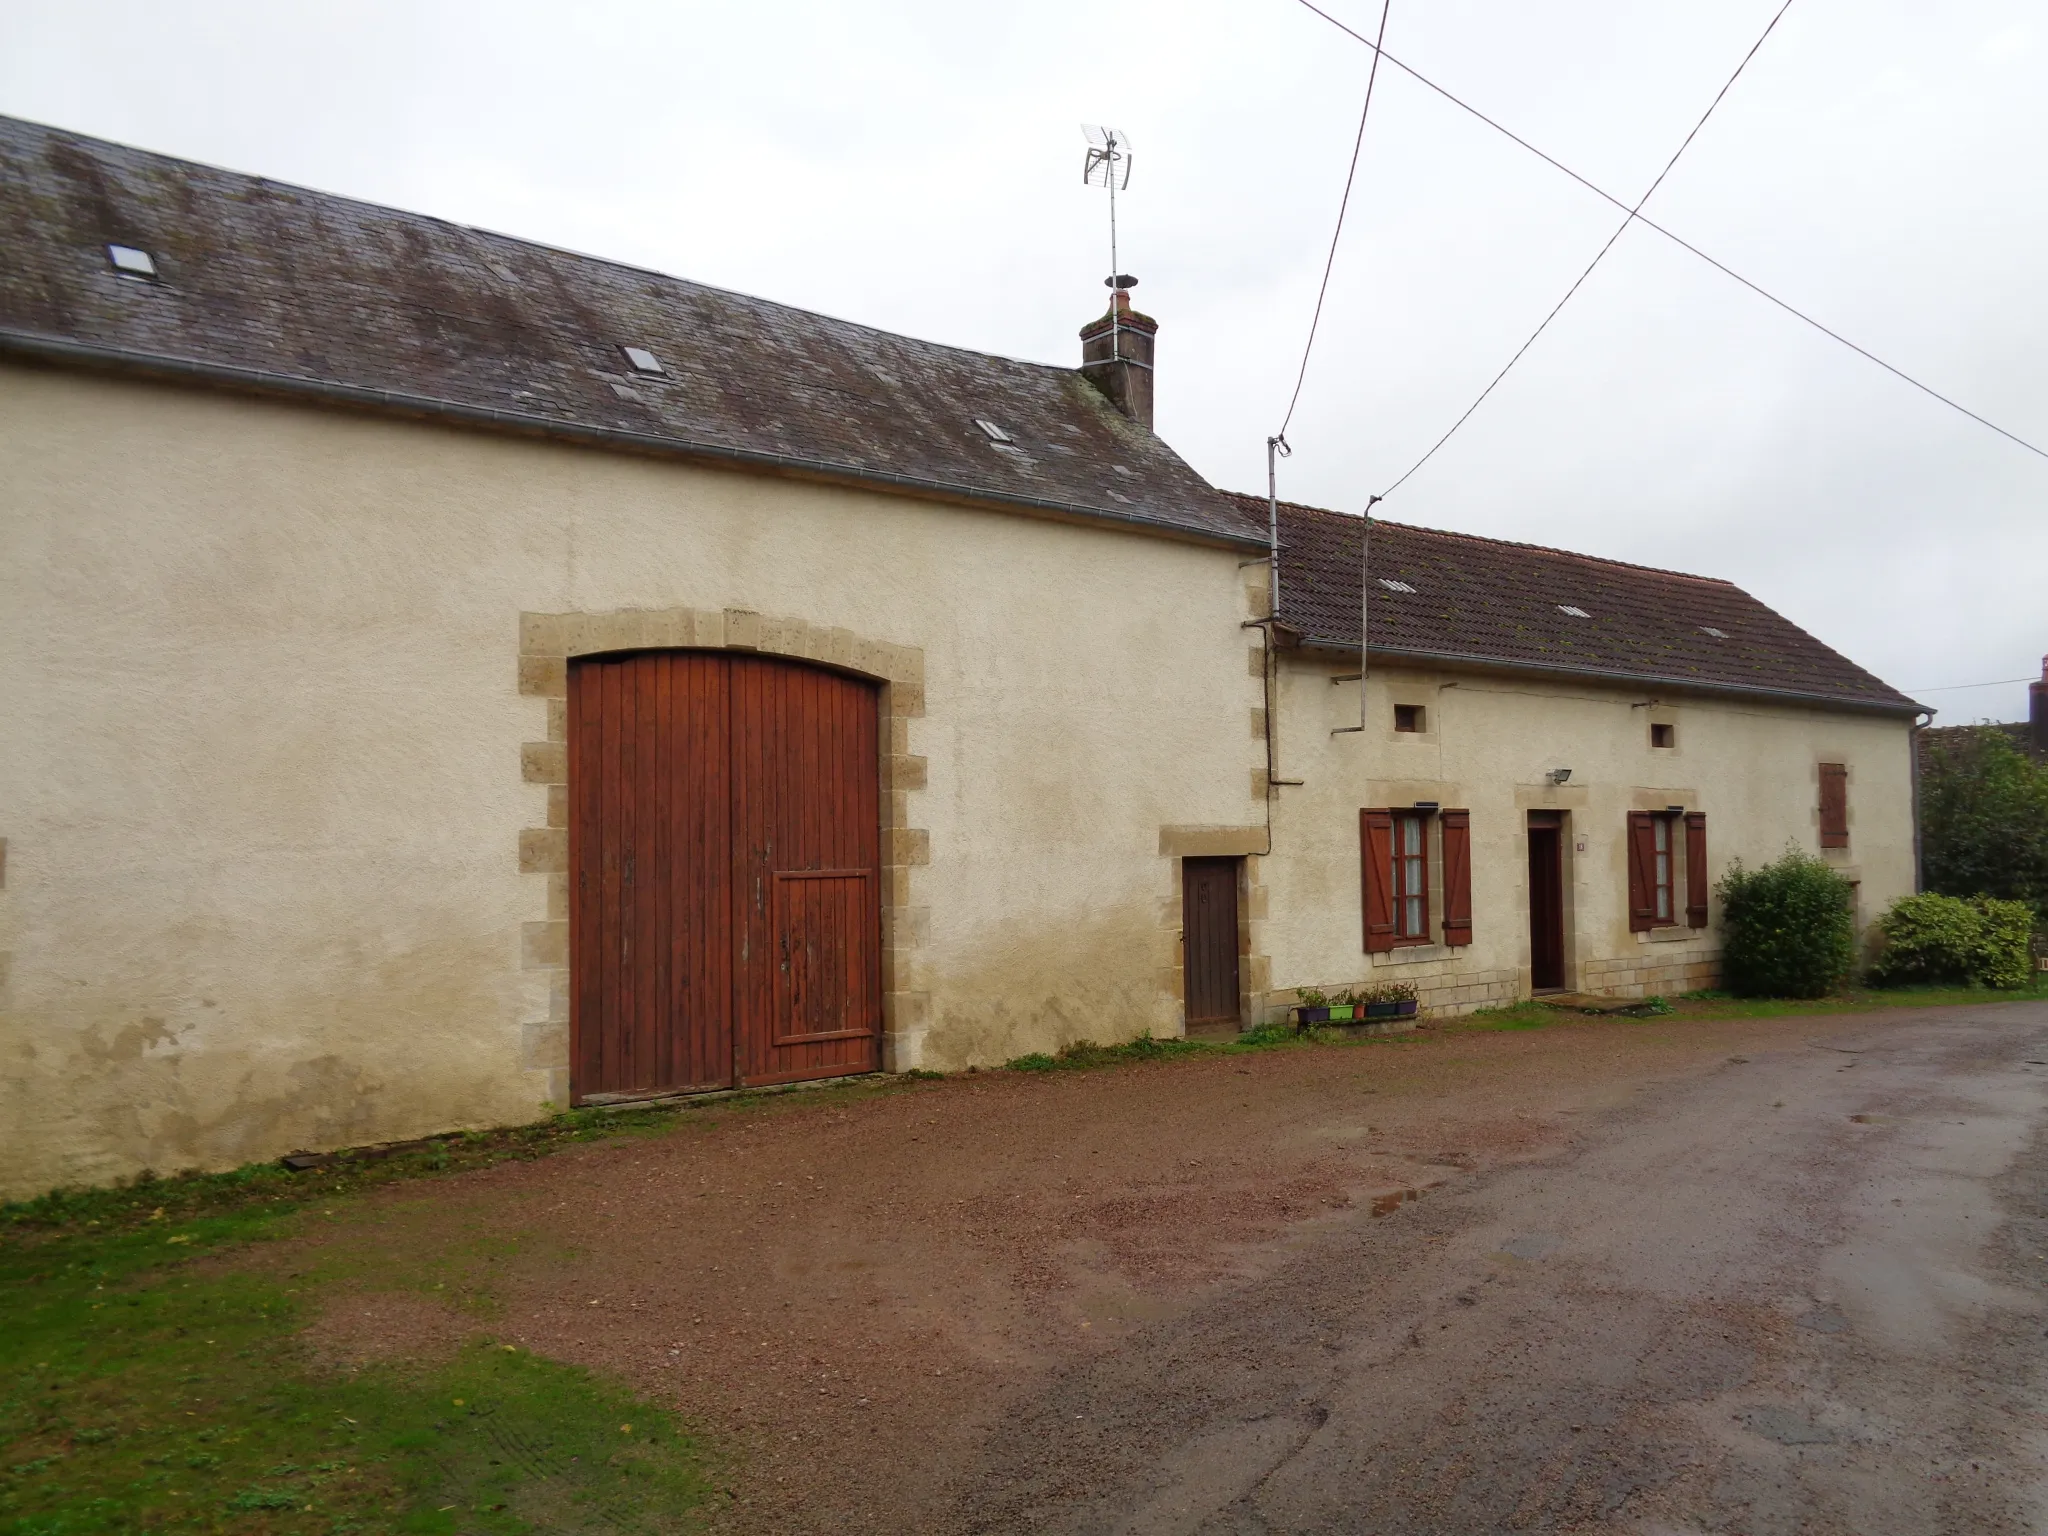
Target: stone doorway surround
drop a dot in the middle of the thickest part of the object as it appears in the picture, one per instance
(547, 643)
(1254, 964)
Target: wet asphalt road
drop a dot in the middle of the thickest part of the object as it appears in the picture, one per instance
(1808, 1293)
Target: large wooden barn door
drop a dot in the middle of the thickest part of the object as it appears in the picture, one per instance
(724, 850)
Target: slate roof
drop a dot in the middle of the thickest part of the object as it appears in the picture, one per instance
(1492, 602)
(269, 286)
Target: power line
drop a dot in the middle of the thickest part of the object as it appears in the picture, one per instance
(1996, 682)
(1645, 220)
(1344, 203)
(1599, 256)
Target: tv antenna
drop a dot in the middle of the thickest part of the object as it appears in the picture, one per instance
(1109, 165)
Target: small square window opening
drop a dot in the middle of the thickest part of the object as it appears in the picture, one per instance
(130, 262)
(643, 361)
(1410, 717)
(1663, 734)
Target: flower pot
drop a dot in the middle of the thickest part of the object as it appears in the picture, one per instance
(1341, 1013)
(1405, 1008)
(1312, 1015)
(1385, 1010)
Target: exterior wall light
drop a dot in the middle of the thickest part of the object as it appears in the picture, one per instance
(1558, 775)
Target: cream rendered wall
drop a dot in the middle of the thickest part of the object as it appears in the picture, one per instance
(260, 779)
(1491, 739)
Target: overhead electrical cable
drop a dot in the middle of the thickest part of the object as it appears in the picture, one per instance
(1996, 682)
(1678, 240)
(1599, 256)
(1343, 203)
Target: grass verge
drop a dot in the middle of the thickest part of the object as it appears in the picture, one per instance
(147, 1383)
(1706, 1006)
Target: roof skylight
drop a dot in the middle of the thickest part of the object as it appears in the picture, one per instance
(1718, 634)
(130, 262)
(1395, 586)
(643, 361)
(1577, 613)
(995, 433)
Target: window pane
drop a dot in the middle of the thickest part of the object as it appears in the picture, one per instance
(1413, 923)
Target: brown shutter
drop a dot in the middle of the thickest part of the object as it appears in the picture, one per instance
(1834, 805)
(1696, 869)
(1457, 877)
(1642, 871)
(1376, 853)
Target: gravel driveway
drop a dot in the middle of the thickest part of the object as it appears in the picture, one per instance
(1755, 1276)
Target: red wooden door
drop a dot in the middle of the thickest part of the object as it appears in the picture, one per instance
(806, 861)
(724, 841)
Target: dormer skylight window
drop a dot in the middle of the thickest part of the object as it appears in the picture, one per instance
(1577, 613)
(1395, 586)
(130, 262)
(1718, 634)
(995, 433)
(642, 360)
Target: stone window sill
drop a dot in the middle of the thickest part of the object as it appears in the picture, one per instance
(1409, 954)
(1672, 934)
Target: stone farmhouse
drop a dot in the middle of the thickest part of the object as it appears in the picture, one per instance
(448, 677)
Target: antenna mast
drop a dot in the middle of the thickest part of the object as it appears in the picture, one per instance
(1109, 165)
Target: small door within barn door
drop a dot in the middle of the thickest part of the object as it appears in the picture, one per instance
(1209, 939)
(650, 871)
(806, 872)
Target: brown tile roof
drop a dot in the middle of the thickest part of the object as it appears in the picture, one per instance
(1488, 601)
(272, 286)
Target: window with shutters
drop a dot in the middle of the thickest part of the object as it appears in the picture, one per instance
(1418, 872)
(1834, 805)
(1659, 859)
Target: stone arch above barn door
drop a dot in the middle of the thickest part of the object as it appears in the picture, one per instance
(547, 644)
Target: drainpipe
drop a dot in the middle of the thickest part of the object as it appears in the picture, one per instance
(1276, 449)
(1920, 723)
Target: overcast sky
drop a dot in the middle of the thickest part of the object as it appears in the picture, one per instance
(915, 164)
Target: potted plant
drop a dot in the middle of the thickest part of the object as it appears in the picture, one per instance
(1314, 1008)
(1395, 1000)
(1344, 1006)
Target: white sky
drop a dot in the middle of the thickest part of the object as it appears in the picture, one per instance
(915, 164)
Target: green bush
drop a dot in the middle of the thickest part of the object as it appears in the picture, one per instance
(1977, 941)
(1789, 928)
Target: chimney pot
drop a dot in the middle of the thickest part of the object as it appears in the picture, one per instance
(1116, 352)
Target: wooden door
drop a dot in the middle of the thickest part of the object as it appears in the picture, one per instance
(806, 881)
(1546, 907)
(724, 839)
(1209, 940)
(649, 912)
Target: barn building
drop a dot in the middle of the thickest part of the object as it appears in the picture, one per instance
(448, 677)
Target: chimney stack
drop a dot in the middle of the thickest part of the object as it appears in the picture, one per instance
(2037, 710)
(1116, 353)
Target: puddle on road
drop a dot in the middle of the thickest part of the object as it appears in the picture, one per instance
(1824, 1320)
(1787, 1426)
(1532, 1245)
